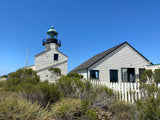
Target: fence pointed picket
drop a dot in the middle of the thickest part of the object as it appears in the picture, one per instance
(135, 86)
(103, 83)
(119, 91)
(132, 92)
(108, 85)
(125, 92)
(111, 86)
(139, 92)
(96, 82)
(92, 82)
(129, 98)
(116, 86)
(122, 91)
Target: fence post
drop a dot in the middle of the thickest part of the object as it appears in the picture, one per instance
(116, 91)
(135, 86)
(119, 91)
(139, 92)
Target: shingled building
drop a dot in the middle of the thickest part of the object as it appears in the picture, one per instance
(122, 63)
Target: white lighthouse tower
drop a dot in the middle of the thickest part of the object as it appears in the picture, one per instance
(50, 57)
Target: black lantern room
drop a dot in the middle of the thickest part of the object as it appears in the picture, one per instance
(52, 37)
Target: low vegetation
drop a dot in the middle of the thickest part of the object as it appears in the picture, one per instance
(17, 108)
(23, 96)
(67, 108)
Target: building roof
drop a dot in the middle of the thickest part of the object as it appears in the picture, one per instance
(48, 51)
(51, 30)
(101, 55)
(52, 65)
(153, 65)
(43, 52)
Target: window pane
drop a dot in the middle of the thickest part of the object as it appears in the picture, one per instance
(113, 75)
(124, 75)
(55, 56)
(94, 74)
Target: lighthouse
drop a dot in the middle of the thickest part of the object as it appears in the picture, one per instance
(50, 57)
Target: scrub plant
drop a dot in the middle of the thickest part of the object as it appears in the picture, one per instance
(20, 109)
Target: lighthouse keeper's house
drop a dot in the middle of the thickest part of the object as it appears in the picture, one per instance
(122, 63)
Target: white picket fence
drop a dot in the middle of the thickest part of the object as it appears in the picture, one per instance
(124, 91)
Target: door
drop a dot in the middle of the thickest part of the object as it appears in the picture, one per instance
(131, 74)
(128, 74)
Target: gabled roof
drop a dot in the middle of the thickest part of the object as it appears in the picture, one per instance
(42, 52)
(52, 65)
(101, 55)
(48, 51)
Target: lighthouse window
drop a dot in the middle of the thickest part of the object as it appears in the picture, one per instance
(55, 57)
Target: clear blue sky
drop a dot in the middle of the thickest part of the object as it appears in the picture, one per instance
(85, 27)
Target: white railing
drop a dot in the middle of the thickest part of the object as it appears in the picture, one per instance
(124, 91)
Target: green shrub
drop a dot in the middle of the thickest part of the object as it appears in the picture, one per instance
(148, 89)
(147, 76)
(70, 87)
(98, 96)
(24, 75)
(56, 71)
(6, 94)
(74, 75)
(103, 96)
(156, 76)
(43, 93)
(67, 108)
(91, 114)
(121, 111)
(2, 85)
(50, 91)
(148, 108)
(19, 109)
(26, 83)
(97, 114)
(22, 79)
(92, 96)
(4, 76)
